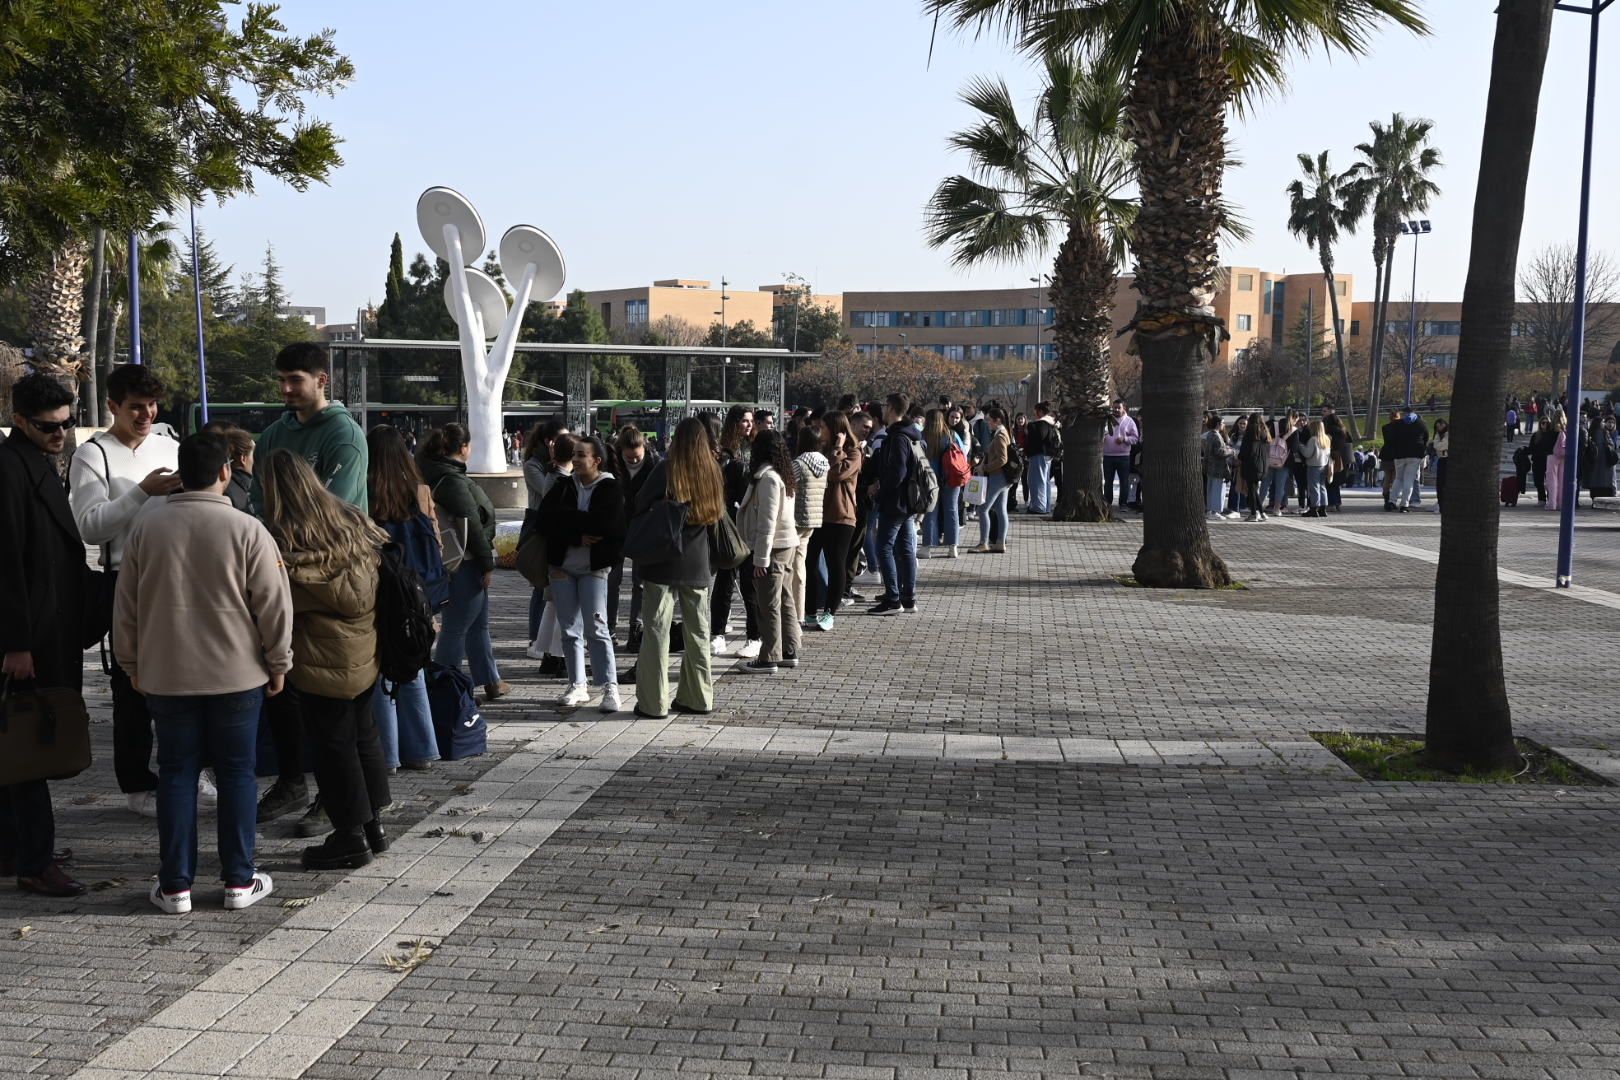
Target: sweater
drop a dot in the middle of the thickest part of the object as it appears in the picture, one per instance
(810, 471)
(839, 502)
(105, 478)
(766, 518)
(456, 494)
(331, 442)
(1121, 435)
(334, 631)
(198, 571)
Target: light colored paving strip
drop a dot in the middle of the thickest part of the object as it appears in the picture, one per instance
(1583, 593)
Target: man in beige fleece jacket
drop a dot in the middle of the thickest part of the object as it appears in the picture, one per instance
(203, 625)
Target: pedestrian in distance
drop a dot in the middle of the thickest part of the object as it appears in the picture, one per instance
(896, 534)
(1317, 451)
(831, 543)
(583, 522)
(736, 439)
(631, 460)
(769, 528)
(810, 470)
(243, 449)
(197, 570)
(1254, 461)
(331, 551)
(993, 520)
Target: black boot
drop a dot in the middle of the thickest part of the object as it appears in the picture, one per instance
(344, 849)
(376, 839)
(632, 644)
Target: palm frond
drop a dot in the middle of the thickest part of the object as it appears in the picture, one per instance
(976, 221)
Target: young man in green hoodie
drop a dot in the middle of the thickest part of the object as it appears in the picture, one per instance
(324, 434)
(315, 428)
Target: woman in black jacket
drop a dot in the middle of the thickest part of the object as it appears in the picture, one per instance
(583, 521)
(735, 438)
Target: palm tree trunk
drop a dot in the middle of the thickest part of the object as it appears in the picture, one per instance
(1083, 304)
(1383, 319)
(1376, 341)
(1180, 91)
(55, 322)
(96, 392)
(1469, 721)
(1338, 339)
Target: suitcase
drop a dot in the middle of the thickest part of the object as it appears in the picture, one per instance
(1510, 491)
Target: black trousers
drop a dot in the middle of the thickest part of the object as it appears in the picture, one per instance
(132, 736)
(1297, 470)
(832, 541)
(27, 827)
(725, 590)
(287, 732)
(857, 545)
(349, 764)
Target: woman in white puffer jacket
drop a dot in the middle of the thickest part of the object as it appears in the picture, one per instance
(767, 522)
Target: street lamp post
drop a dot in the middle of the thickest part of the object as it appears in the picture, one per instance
(1571, 483)
(1414, 229)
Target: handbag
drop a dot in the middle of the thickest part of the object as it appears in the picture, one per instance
(977, 491)
(655, 535)
(44, 734)
(452, 535)
(727, 548)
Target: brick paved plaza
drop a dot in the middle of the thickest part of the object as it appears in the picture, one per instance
(1056, 825)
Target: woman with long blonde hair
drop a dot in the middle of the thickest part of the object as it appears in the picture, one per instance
(1317, 450)
(691, 476)
(331, 552)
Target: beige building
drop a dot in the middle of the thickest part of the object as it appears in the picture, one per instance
(1261, 306)
(690, 300)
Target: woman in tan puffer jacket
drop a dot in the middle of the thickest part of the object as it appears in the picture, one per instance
(331, 553)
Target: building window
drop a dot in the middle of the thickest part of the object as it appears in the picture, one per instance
(954, 352)
(607, 314)
(1270, 287)
(1444, 328)
(1343, 287)
(973, 318)
(858, 318)
(1443, 360)
(1245, 322)
(950, 318)
(1049, 352)
(1355, 327)
(1245, 283)
(635, 311)
(1338, 326)
(905, 318)
(926, 318)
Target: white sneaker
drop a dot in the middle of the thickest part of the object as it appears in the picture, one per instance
(207, 793)
(950, 552)
(575, 695)
(610, 699)
(170, 903)
(719, 647)
(750, 650)
(143, 803)
(533, 653)
(925, 552)
(247, 895)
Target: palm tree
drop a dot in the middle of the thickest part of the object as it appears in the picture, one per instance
(1469, 722)
(1190, 61)
(1392, 178)
(1315, 215)
(1061, 176)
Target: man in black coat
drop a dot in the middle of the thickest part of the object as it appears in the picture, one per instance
(42, 581)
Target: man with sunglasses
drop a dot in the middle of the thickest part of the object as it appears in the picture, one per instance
(42, 581)
(112, 477)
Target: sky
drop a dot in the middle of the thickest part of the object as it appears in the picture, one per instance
(751, 138)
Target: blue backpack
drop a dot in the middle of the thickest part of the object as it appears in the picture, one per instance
(418, 540)
(457, 724)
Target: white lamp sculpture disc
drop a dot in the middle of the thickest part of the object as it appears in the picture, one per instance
(487, 299)
(524, 245)
(441, 206)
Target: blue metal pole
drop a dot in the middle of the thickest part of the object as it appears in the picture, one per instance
(134, 297)
(196, 287)
(1571, 482)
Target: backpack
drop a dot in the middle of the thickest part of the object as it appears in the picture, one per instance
(1277, 454)
(1015, 462)
(921, 489)
(458, 726)
(418, 540)
(954, 465)
(404, 620)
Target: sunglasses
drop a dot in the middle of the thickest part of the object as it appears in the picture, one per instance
(51, 427)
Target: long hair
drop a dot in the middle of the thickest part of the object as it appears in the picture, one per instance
(540, 437)
(303, 516)
(1334, 427)
(1319, 435)
(807, 440)
(1256, 432)
(694, 474)
(769, 449)
(936, 435)
(391, 476)
(731, 434)
(443, 442)
(241, 443)
(837, 423)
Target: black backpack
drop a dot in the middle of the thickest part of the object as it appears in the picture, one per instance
(404, 620)
(1015, 462)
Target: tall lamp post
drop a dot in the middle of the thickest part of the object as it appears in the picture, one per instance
(1040, 325)
(1414, 229)
(1566, 510)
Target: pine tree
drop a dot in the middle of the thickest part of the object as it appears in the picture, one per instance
(392, 312)
(272, 294)
(218, 294)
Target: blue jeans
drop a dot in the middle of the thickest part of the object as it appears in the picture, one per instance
(537, 609)
(993, 514)
(466, 627)
(1116, 466)
(405, 727)
(1039, 481)
(942, 526)
(1214, 494)
(1276, 488)
(871, 540)
(897, 556)
(1315, 489)
(222, 729)
(582, 615)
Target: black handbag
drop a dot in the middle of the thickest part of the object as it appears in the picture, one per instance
(44, 734)
(656, 535)
(727, 548)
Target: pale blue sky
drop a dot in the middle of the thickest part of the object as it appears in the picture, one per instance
(748, 139)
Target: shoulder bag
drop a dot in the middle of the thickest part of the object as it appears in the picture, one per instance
(655, 535)
(727, 548)
(44, 734)
(452, 533)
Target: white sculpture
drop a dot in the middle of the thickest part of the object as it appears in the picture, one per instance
(455, 232)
